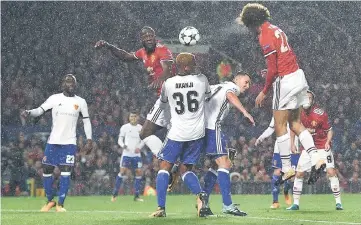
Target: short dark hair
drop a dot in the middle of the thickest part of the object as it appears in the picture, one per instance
(312, 93)
(254, 15)
(134, 111)
(147, 29)
(239, 73)
(71, 76)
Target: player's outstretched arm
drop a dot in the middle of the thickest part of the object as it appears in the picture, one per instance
(233, 99)
(33, 112)
(47, 105)
(117, 52)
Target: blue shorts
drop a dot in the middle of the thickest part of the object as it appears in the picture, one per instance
(215, 143)
(277, 163)
(187, 152)
(131, 162)
(56, 155)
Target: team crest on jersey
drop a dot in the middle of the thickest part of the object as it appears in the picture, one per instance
(76, 107)
(318, 111)
(265, 47)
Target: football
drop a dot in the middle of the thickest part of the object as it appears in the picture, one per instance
(189, 36)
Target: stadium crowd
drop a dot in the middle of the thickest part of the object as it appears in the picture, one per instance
(36, 54)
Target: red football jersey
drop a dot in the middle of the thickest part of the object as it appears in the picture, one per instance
(274, 41)
(152, 61)
(317, 122)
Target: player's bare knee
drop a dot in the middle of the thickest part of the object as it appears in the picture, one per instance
(48, 169)
(223, 162)
(331, 172)
(65, 168)
(147, 129)
(189, 167)
(182, 168)
(300, 175)
(138, 172)
(144, 133)
(122, 171)
(164, 165)
(277, 172)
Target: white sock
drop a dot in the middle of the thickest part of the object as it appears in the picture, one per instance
(308, 144)
(297, 190)
(335, 187)
(153, 143)
(284, 146)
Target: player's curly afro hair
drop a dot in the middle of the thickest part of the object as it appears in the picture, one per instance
(254, 15)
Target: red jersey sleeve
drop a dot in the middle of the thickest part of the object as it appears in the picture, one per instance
(164, 54)
(139, 54)
(267, 43)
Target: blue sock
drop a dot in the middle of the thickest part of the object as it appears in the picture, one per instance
(192, 182)
(224, 182)
(286, 187)
(118, 182)
(137, 183)
(64, 186)
(48, 186)
(161, 186)
(275, 189)
(210, 179)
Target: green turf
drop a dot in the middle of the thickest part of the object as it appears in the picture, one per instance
(314, 209)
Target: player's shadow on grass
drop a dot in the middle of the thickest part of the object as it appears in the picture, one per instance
(318, 212)
(169, 220)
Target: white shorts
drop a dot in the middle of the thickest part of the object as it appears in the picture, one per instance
(290, 91)
(305, 165)
(159, 116)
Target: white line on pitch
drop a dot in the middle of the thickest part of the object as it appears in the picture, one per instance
(248, 217)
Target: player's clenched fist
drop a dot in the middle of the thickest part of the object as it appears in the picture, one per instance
(101, 44)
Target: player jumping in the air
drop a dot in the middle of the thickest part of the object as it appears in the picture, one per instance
(290, 87)
(277, 165)
(61, 147)
(131, 159)
(217, 108)
(158, 61)
(185, 93)
(315, 120)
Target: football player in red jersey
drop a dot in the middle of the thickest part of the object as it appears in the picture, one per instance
(315, 120)
(158, 61)
(289, 89)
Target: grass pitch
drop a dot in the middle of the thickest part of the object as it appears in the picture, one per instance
(89, 210)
